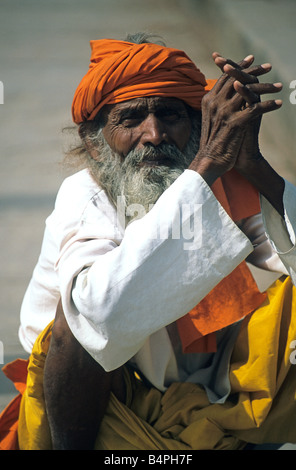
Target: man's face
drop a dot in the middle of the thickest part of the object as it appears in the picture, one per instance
(134, 124)
(143, 146)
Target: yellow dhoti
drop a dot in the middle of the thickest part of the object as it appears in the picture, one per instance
(260, 409)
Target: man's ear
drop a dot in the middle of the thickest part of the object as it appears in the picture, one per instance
(93, 152)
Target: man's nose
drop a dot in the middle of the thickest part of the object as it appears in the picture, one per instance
(153, 131)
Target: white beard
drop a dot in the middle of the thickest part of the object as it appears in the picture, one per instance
(133, 182)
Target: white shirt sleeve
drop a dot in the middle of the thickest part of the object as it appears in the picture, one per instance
(154, 276)
(263, 256)
(281, 232)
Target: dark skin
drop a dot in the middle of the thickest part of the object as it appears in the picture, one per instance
(152, 120)
(72, 378)
(76, 388)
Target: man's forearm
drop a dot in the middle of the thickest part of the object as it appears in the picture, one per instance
(76, 390)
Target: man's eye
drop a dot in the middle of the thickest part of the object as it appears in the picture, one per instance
(130, 122)
(170, 116)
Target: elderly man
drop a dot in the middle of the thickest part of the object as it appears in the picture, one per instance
(153, 334)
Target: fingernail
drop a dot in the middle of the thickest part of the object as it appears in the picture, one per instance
(278, 102)
(266, 66)
(278, 85)
(249, 57)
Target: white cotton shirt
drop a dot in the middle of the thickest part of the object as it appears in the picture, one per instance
(122, 286)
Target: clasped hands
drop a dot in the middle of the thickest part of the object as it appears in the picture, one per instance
(231, 118)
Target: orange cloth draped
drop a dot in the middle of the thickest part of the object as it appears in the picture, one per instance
(237, 295)
(16, 371)
(121, 71)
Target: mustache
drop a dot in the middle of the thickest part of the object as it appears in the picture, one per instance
(168, 154)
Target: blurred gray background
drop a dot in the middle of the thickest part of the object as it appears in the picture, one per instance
(44, 52)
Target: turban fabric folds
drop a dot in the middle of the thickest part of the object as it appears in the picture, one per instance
(121, 71)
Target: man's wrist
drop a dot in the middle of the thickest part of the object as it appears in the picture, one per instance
(207, 169)
(251, 167)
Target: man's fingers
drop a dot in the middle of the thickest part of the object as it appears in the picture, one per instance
(244, 95)
(262, 88)
(257, 109)
(245, 64)
(258, 70)
(215, 55)
(239, 75)
(251, 93)
(248, 75)
(239, 83)
(221, 62)
(234, 71)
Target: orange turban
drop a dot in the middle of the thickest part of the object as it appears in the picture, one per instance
(121, 71)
